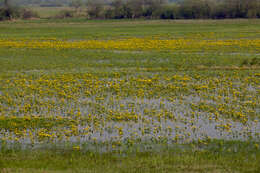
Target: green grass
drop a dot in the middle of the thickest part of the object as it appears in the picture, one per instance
(38, 122)
(98, 60)
(217, 156)
(107, 29)
(217, 159)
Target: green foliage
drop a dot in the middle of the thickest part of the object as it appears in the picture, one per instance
(152, 9)
(65, 14)
(251, 62)
(219, 156)
(8, 12)
(186, 9)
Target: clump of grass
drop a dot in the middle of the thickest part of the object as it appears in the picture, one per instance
(26, 122)
(251, 62)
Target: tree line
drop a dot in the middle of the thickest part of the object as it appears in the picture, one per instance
(179, 9)
(158, 9)
(9, 11)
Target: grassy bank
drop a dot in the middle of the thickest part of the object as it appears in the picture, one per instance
(215, 157)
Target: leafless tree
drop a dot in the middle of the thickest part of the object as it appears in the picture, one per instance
(6, 3)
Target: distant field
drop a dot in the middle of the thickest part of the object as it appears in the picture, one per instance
(130, 95)
(110, 29)
(47, 12)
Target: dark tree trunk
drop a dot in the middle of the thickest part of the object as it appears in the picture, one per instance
(6, 3)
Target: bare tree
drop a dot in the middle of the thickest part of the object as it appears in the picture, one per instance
(136, 7)
(95, 8)
(118, 8)
(6, 3)
(76, 4)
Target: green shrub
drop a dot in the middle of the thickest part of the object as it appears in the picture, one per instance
(28, 14)
(16, 13)
(65, 14)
